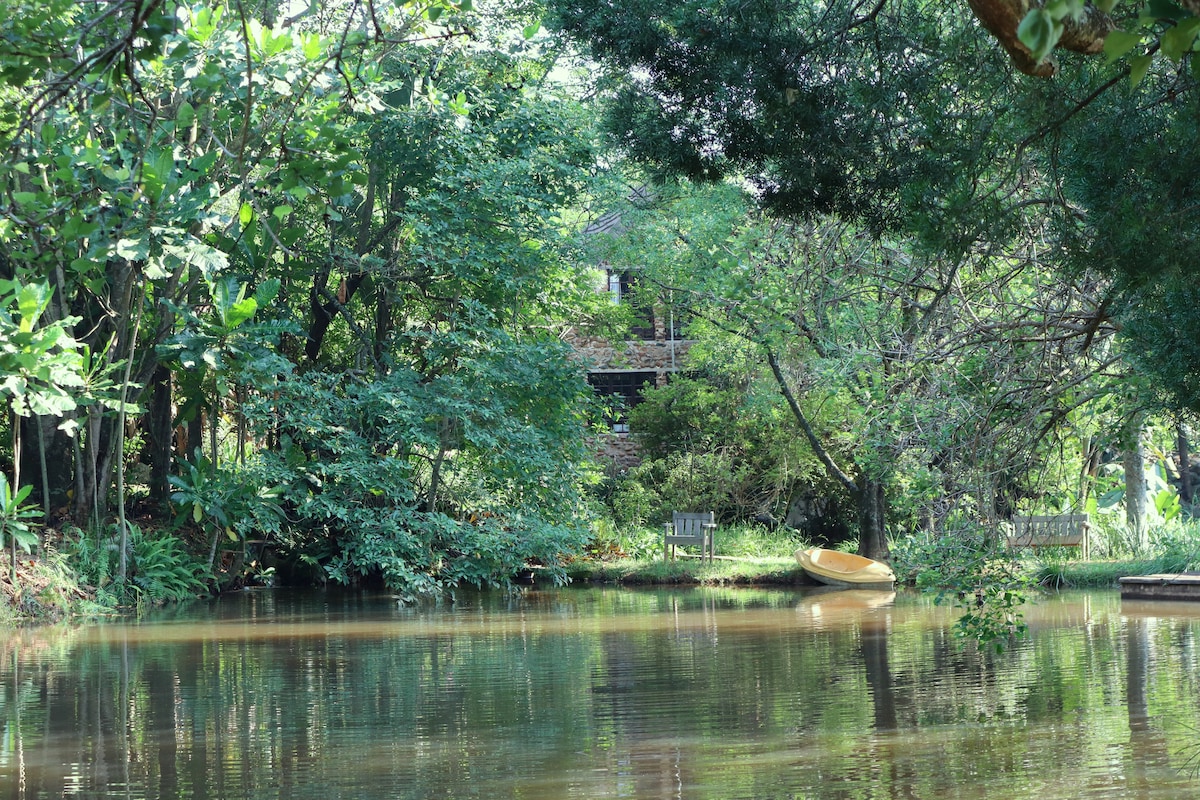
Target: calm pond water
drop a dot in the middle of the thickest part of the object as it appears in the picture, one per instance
(604, 693)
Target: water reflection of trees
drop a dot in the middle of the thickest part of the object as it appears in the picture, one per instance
(597, 694)
(1148, 751)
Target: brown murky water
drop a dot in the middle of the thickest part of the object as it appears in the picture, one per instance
(604, 693)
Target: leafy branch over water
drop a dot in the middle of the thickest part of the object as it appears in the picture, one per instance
(966, 569)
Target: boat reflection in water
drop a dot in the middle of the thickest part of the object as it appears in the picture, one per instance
(832, 603)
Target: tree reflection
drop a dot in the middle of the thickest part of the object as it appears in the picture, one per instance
(602, 695)
(1147, 742)
(889, 745)
(879, 676)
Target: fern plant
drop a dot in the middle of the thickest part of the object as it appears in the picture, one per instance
(160, 568)
(163, 570)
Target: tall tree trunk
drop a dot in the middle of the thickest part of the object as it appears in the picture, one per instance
(80, 478)
(119, 446)
(15, 426)
(239, 402)
(195, 435)
(214, 419)
(324, 307)
(43, 470)
(109, 455)
(99, 456)
(383, 321)
(113, 335)
(160, 430)
(867, 491)
(87, 502)
(435, 476)
(871, 503)
(1133, 457)
(54, 471)
(1182, 447)
(51, 460)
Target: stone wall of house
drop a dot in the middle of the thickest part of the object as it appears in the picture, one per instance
(661, 355)
(601, 354)
(620, 451)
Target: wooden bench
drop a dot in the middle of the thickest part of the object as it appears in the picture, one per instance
(1061, 530)
(690, 529)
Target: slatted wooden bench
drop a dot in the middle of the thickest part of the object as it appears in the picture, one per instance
(690, 529)
(1060, 530)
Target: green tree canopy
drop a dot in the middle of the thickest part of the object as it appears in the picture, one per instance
(333, 234)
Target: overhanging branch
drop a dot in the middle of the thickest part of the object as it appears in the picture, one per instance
(818, 447)
(1002, 17)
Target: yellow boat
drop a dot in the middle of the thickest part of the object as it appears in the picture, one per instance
(846, 569)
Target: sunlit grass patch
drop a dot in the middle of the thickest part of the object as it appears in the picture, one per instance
(1063, 574)
(690, 570)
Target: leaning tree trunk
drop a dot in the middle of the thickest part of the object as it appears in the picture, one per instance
(867, 491)
(1133, 457)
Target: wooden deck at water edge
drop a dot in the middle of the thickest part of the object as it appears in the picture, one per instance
(1164, 586)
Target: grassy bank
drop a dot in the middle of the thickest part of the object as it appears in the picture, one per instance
(1049, 573)
(44, 590)
(47, 589)
(767, 571)
(1098, 574)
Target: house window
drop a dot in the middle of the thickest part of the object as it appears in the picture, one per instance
(624, 390)
(673, 323)
(622, 287)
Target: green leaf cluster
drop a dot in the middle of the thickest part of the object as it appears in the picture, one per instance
(1042, 27)
(1160, 26)
(41, 365)
(16, 517)
(279, 228)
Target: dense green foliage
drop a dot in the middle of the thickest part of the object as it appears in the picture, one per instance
(847, 362)
(939, 309)
(319, 262)
(711, 441)
(1140, 228)
(304, 276)
(905, 118)
(824, 109)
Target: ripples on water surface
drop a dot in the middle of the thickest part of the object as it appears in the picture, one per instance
(603, 693)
